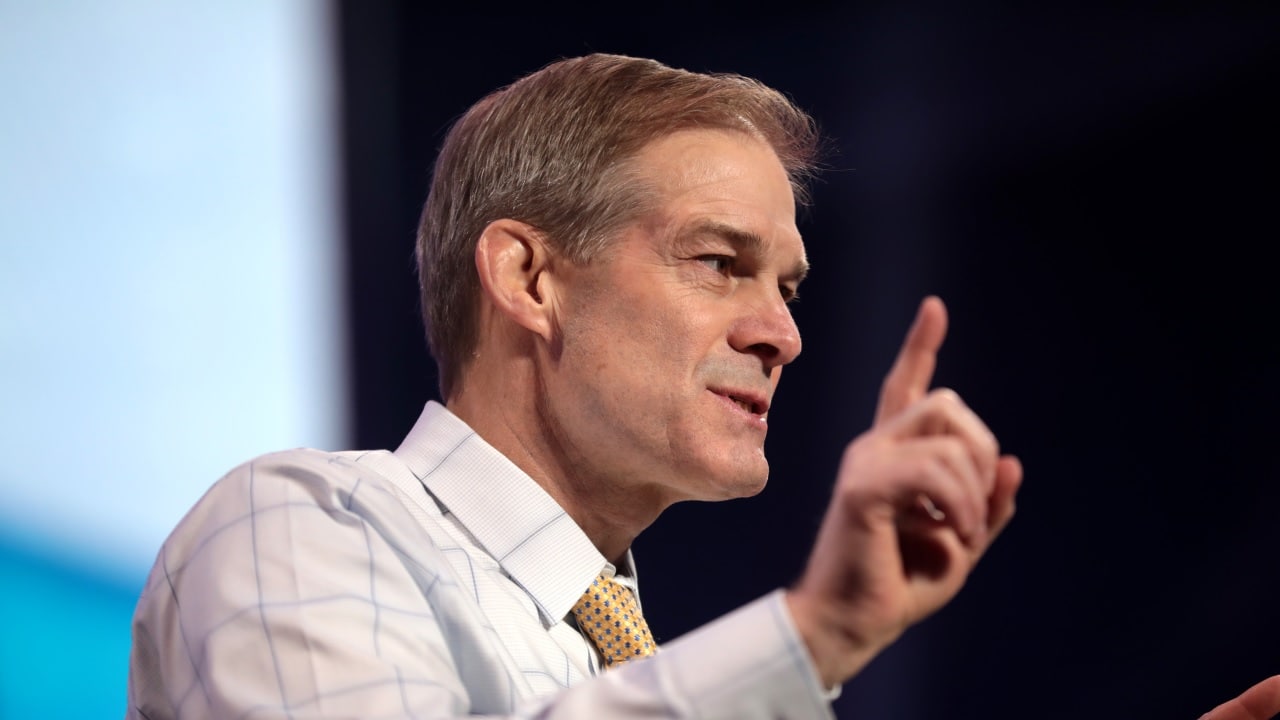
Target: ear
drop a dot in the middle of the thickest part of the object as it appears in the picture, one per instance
(514, 265)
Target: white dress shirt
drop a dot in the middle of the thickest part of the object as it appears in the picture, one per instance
(435, 581)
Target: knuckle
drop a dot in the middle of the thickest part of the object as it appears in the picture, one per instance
(923, 466)
(953, 445)
(946, 394)
(990, 444)
(858, 445)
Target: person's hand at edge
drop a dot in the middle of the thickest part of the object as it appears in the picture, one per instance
(1260, 702)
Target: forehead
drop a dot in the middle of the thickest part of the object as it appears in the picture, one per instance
(721, 177)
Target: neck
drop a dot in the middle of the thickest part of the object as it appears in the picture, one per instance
(501, 409)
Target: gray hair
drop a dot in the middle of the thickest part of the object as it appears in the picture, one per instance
(553, 150)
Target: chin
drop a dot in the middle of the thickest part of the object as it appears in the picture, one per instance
(724, 475)
(751, 490)
(743, 483)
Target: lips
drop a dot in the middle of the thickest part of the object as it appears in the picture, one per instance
(749, 401)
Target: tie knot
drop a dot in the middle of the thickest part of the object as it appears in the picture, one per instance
(610, 617)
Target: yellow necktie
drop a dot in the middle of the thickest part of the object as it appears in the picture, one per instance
(609, 615)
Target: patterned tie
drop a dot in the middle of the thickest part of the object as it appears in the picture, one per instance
(609, 615)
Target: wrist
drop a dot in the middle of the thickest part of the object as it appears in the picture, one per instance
(835, 649)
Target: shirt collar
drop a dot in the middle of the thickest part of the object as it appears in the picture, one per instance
(509, 514)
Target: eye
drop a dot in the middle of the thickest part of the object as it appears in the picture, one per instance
(718, 263)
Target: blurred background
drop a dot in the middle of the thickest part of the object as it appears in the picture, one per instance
(206, 227)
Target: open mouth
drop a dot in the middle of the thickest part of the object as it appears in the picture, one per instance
(749, 403)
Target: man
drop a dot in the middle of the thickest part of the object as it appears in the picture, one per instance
(606, 257)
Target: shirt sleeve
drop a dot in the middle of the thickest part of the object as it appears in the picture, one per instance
(746, 665)
(275, 598)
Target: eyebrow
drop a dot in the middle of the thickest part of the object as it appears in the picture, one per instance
(748, 241)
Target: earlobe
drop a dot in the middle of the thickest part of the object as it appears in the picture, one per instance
(514, 266)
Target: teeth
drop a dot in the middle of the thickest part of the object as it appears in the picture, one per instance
(743, 404)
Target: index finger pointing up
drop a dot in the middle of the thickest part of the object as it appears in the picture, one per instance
(909, 378)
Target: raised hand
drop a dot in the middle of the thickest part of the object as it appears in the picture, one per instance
(918, 498)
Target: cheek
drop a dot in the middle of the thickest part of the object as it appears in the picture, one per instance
(646, 339)
(607, 362)
(642, 343)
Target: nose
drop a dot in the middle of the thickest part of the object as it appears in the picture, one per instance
(766, 329)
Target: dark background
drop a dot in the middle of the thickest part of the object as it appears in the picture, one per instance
(1093, 194)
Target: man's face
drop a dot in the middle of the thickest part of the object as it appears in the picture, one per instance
(674, 339)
